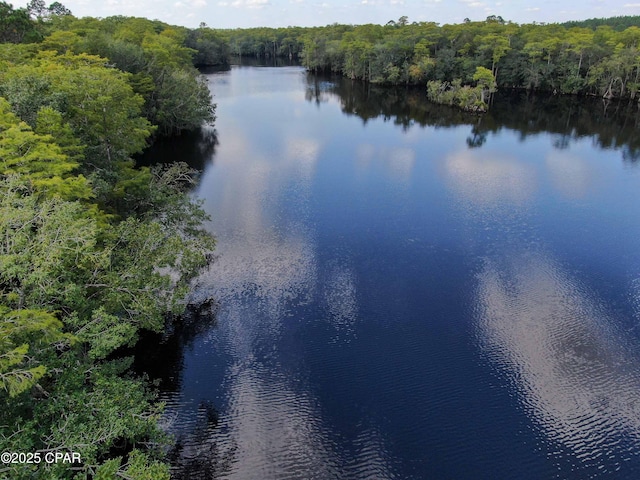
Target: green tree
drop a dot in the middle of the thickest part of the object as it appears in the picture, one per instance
(496, 46)
(486, 81)
(182, 101)
(58, 9)
(15, 25)
(40, 161)
(79, 281)
(97, 102)
(422, 62)
(24, 335)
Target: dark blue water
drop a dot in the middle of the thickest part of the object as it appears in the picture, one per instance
(407, 292)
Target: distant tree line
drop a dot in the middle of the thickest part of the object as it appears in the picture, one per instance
(617, 23)
(593, 57)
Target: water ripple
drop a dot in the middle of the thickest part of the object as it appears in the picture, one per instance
(574, 372)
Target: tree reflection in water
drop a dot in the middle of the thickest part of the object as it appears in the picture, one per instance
(612, 124)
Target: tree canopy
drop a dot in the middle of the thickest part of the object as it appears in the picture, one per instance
(592, 57)
(93, 250)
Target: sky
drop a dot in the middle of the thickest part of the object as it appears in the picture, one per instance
(306, 13)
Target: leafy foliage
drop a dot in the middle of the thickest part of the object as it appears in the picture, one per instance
(471, 99)
(593, 57)
(38, 158)
(92, 249)
(24, 334)
(15, 24)
(160, 59)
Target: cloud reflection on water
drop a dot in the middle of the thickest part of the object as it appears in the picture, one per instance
(398, 162)
(341, 300)
(570, 174)
(272, 426)
(575, 374)
(487, 180)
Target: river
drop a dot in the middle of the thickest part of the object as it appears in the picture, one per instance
(405, 291)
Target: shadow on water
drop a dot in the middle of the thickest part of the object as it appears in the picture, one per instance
(197, 455)
(194, 453)
(214, 69)
(612, 124)
(195, 148)
(160, 355)
(264, 62)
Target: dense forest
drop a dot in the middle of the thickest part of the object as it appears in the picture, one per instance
(592, 57)
(94, 250)
(598, 57)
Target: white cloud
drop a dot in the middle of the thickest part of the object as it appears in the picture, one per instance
(473, 3)
(250, 4)
(374, 11)
(532, 9)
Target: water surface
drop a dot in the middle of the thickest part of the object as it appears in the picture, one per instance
(405, 291)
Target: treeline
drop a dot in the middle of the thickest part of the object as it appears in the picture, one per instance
(569, 59)
(92, 249)
(265, 42)
(617, 23)
(592, 57)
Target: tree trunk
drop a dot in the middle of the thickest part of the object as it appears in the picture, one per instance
(608, 93)
(579, 65)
